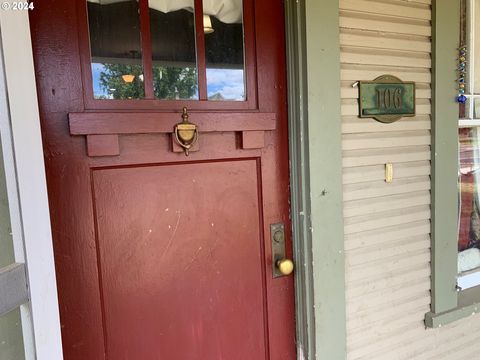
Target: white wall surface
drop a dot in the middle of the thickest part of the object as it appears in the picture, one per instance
(30, 217)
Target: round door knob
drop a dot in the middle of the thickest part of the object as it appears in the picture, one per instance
(285, 266)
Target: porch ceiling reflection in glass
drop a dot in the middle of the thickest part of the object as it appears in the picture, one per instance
(173, 50)
(116, 51)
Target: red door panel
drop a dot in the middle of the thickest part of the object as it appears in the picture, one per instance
(180, 257)
(159, 255)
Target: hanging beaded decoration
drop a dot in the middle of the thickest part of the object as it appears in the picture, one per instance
(462, 71)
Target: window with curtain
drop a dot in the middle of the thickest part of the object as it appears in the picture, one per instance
(469, 147)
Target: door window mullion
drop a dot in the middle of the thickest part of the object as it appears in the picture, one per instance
(200, 45)
(146, 48)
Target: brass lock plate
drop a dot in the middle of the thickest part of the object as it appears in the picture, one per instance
(277, 233)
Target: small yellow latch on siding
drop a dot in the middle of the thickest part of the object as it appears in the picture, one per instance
(389, 173)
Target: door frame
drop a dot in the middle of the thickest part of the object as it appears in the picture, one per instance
(299, 177)
(27, 189)
(315, 137)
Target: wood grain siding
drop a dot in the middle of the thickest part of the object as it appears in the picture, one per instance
(387, 226)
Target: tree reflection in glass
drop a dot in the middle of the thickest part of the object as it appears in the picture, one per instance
(116, 50)
(172, 28)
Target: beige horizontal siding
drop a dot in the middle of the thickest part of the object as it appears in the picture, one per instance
(371, 206)
(379, 237)
(387, 226)
(384, 23)
(372, 40)
(406, 9)
(354, 72)
(382, 156)
(384, 284)
(385, 140)
(373, 189)
(364, 174)
(356, 125)
(384, 57)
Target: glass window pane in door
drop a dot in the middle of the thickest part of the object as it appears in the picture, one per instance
(172, 28)
(116, 51)
(224, 49)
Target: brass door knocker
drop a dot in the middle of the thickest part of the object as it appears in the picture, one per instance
(186, 133)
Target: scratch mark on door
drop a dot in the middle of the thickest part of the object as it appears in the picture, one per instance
(170, 241)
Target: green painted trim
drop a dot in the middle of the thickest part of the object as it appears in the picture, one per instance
(299, 177)
(11, 334)
(468, 305)
(446, 34)
(438, 320)
(325, 172)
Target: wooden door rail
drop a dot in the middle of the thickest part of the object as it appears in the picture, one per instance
(102, 128)
(98, 123)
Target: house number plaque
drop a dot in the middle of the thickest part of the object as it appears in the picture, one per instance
(386, 99)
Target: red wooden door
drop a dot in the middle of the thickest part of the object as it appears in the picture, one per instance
(160, 255)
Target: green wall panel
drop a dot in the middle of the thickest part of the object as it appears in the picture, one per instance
(11, 337)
